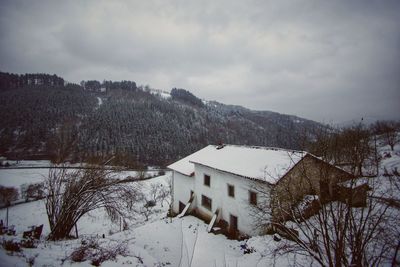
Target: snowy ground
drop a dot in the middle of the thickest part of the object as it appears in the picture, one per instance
(164, 242)
(180, 242)
(18, 177)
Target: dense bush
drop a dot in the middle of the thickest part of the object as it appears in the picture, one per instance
(7, 194)
(11, 245)
(90, 249)
(35, 191)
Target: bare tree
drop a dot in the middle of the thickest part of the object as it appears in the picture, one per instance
(354, 147)
(339, 234)
(72, 194)
(147, 202)
(160, 192)
(164, 194)
(388, 130)
(352, 223)
(155, 190)
(147, 209)
(348, 147)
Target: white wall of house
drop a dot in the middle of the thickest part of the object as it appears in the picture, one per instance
(238, 205)
(181, 189)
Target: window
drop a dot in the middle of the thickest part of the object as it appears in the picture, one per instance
(206, 202)
(231, 190)
(207, 180)
(253, 198)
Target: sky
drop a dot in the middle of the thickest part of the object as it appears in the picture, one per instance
(329, 61)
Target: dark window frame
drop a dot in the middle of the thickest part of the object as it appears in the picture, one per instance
(207, 180)
(253, 198)
(231, 190)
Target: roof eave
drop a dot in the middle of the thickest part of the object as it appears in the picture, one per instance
(172, 169)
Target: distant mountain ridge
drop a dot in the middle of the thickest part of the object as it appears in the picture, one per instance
(134, 125)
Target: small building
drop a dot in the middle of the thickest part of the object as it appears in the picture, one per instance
(230, 184)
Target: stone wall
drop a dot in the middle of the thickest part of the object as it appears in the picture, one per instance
(310, 176)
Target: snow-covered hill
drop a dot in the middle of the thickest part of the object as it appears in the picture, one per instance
(141, 125)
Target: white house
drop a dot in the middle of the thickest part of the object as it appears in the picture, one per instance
(220, 182)
(223, 178)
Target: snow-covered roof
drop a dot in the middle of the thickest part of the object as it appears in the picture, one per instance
(260, 163)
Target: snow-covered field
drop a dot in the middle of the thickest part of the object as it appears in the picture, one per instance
(18, 177)
(14, 177)
(28, 163)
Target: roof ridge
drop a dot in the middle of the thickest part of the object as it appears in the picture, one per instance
(265, 148)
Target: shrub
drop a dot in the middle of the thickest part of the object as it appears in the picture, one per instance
(31, 260)
(35, 191)
(8, 194)
(11, 245)
(79, 255)
(28, 243)
(247, 249)
(150, 204)
(91, 250)
(110, 253)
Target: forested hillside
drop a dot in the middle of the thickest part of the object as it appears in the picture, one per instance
(133, 125)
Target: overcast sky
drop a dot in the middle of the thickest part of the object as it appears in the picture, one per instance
(330, 61)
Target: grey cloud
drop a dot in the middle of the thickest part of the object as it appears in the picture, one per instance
(330, 61)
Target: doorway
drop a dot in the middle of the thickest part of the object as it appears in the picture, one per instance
(233, 225)
(181, 206)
